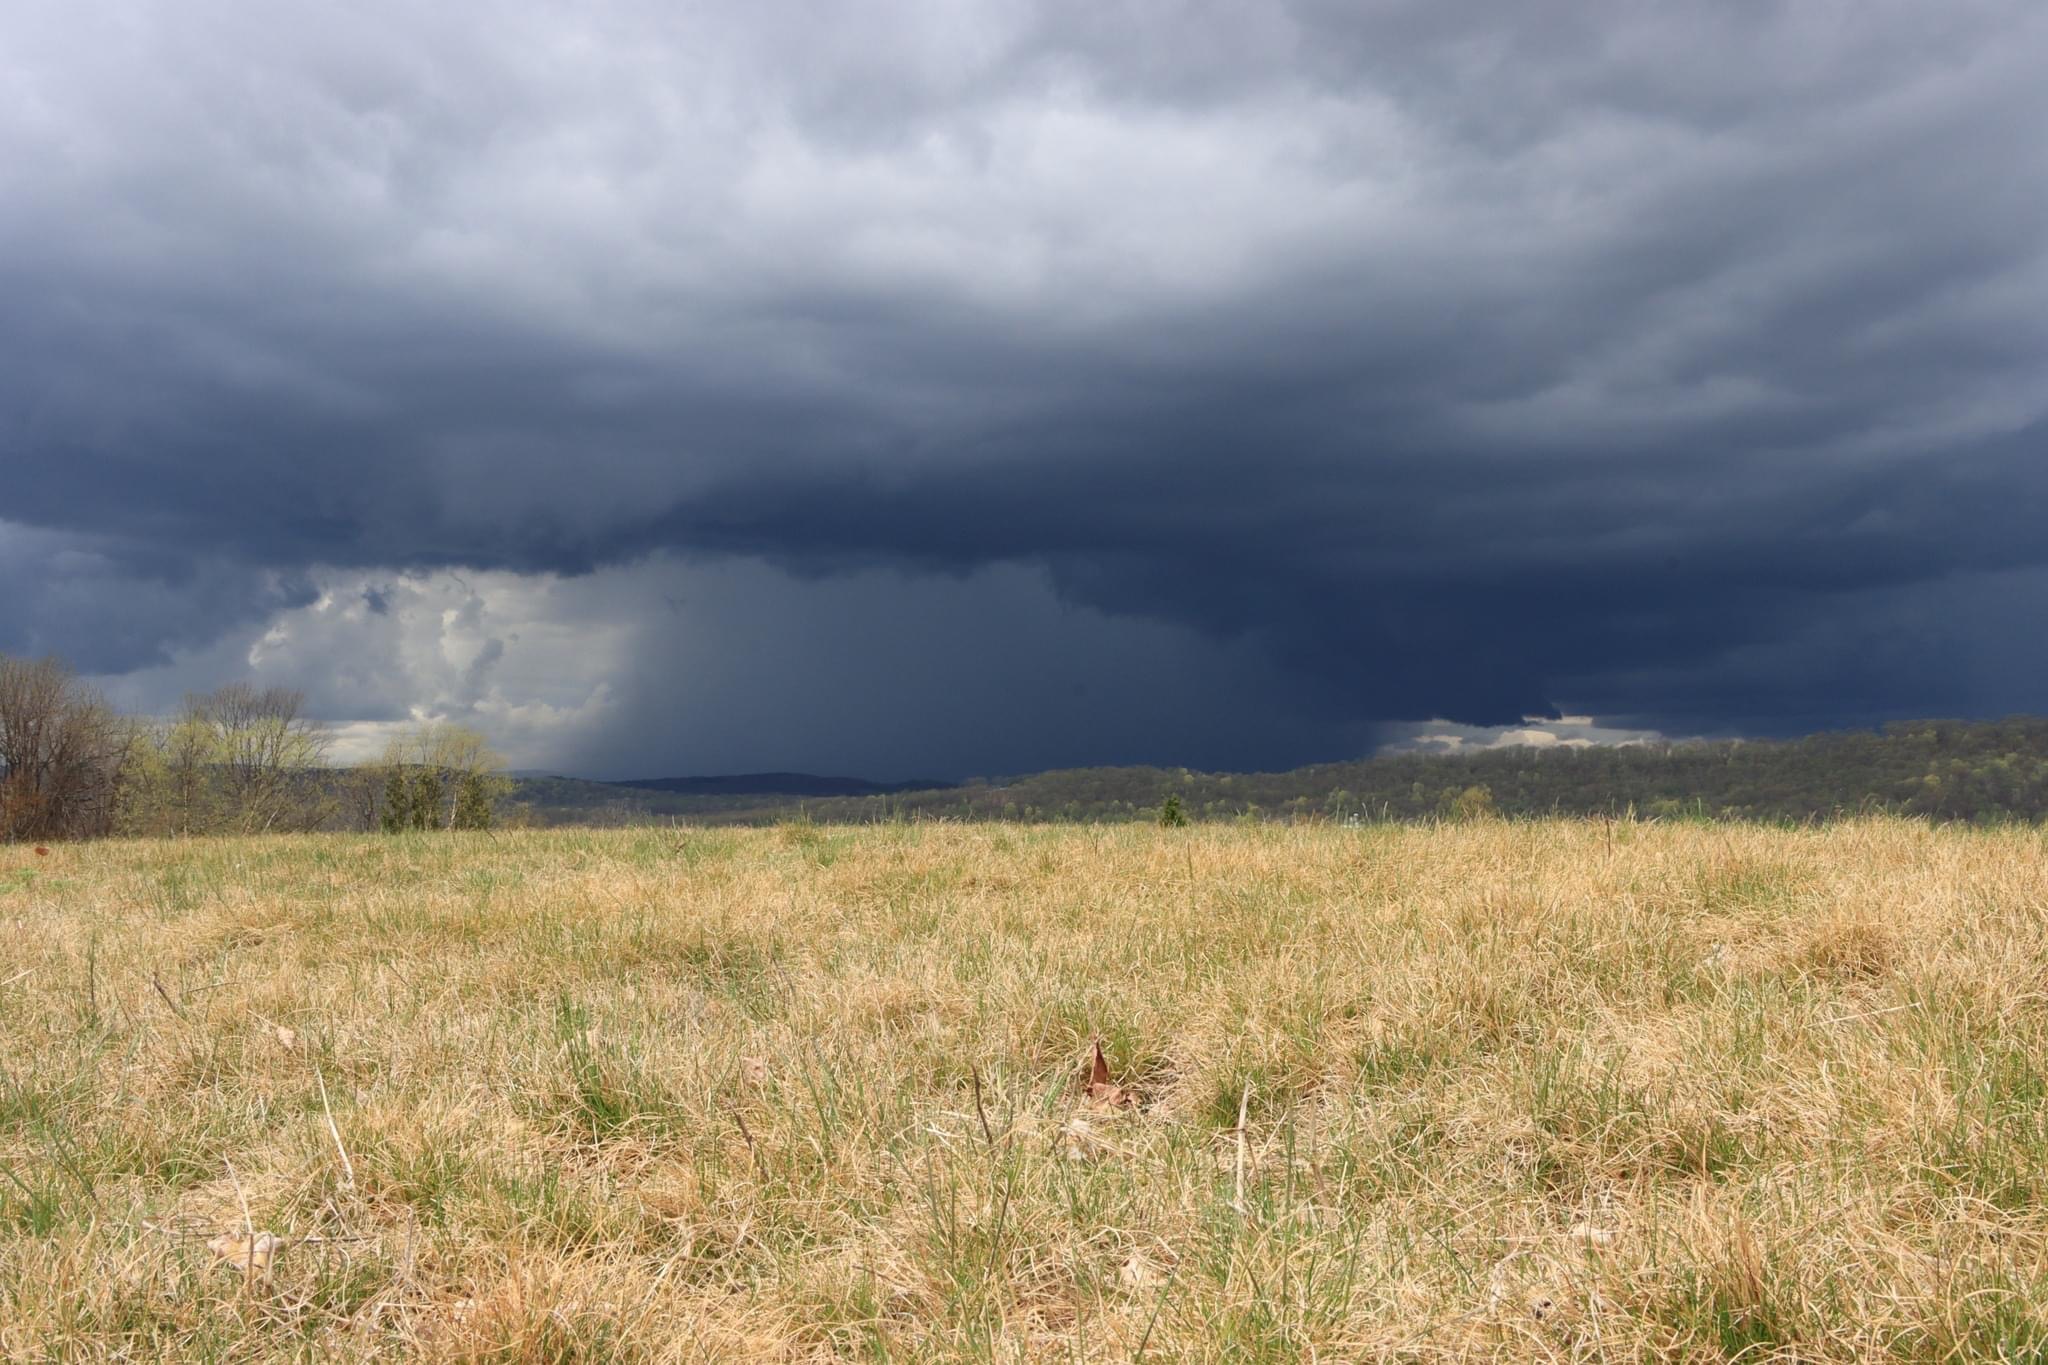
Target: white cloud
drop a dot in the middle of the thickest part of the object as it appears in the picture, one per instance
(524, 658)
(1535, 732)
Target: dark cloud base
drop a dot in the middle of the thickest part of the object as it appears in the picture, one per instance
(1444, 362)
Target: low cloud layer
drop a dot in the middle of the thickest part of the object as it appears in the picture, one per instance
(1272, 374)
(1533, 732)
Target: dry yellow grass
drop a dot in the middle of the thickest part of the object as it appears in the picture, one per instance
(1520, 1091)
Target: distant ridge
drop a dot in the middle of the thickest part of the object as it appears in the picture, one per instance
(780, 784)
(1983, 771)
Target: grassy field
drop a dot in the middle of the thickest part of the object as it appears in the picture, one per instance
(1522, 1091)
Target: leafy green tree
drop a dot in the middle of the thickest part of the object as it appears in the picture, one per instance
(1473, 803)
(1173, 814)
(170, 786)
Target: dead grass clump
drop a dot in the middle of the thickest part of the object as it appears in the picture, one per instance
(547, 1312)
(1845, 949)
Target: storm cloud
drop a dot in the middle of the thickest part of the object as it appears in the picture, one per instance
(967, 386)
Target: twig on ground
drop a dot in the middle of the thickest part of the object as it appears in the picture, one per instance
(979, 1112)
(176, 1008)
(1244, 1102)
(760, 1166)
(348, 1170)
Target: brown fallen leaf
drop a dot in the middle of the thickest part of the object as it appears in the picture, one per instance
(247, 1254)
(1101, 1089)
(42, 852)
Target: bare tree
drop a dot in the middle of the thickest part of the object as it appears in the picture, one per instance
(359, 791)
(265, 753)
(62, 752)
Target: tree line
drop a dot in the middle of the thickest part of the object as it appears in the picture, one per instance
(1983, 772)
(1946, 770)
(237, 760)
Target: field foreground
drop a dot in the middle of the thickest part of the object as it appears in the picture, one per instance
(1516, 1090)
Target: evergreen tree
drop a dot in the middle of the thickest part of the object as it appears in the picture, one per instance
(427, 795)
(472, 802)
(397, 812)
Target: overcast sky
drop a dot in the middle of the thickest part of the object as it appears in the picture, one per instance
(974, 386)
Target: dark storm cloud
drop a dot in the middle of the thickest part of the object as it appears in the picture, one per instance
(1463, 359)
(108, 606)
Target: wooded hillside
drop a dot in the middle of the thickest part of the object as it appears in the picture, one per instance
(1948, 770)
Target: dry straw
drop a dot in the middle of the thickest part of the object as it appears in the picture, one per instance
(1498, 1090)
